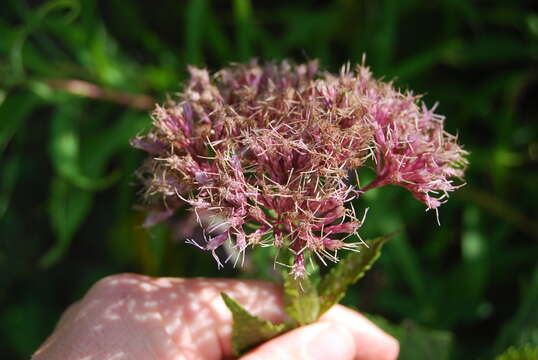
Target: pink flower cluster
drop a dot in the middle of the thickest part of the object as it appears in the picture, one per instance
(269, 150)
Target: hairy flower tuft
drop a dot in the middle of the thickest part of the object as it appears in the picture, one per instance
(269, 148)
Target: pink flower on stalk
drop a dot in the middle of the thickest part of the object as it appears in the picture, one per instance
(267, 151)
(411, 148)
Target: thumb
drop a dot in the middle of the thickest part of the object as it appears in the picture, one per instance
(324, 340)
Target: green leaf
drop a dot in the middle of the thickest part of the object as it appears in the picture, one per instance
(521, 329)
(31, 318)
(417, 342)
(333, 286)
(195, 25)
(216, 37)
(69, 206)
(104, 59)
(13, 111)
(244, 28)
(527, 352)
(422, 343)
(10, 168)
(64, 149)
(33, 23)
(301, 300)
(103, 145)
(249, 330)
(384, 37)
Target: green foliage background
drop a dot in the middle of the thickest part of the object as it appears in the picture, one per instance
(66, 169)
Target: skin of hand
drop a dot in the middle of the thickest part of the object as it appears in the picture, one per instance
(134, 317)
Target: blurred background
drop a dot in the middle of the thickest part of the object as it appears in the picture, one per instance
(78, 77)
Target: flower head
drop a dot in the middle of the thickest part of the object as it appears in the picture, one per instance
(268, 148)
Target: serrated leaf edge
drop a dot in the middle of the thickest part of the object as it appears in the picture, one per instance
(377, 243)
(236, 309)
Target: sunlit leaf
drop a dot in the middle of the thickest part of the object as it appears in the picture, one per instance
(347, 271)
(104, 60)
(527, 352)
(249, 330)
(301, 299)
(244, 27)
(64, 149)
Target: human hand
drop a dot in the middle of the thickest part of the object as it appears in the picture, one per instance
(135, 317)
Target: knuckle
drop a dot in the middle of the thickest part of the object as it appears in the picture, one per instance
(115, 286)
